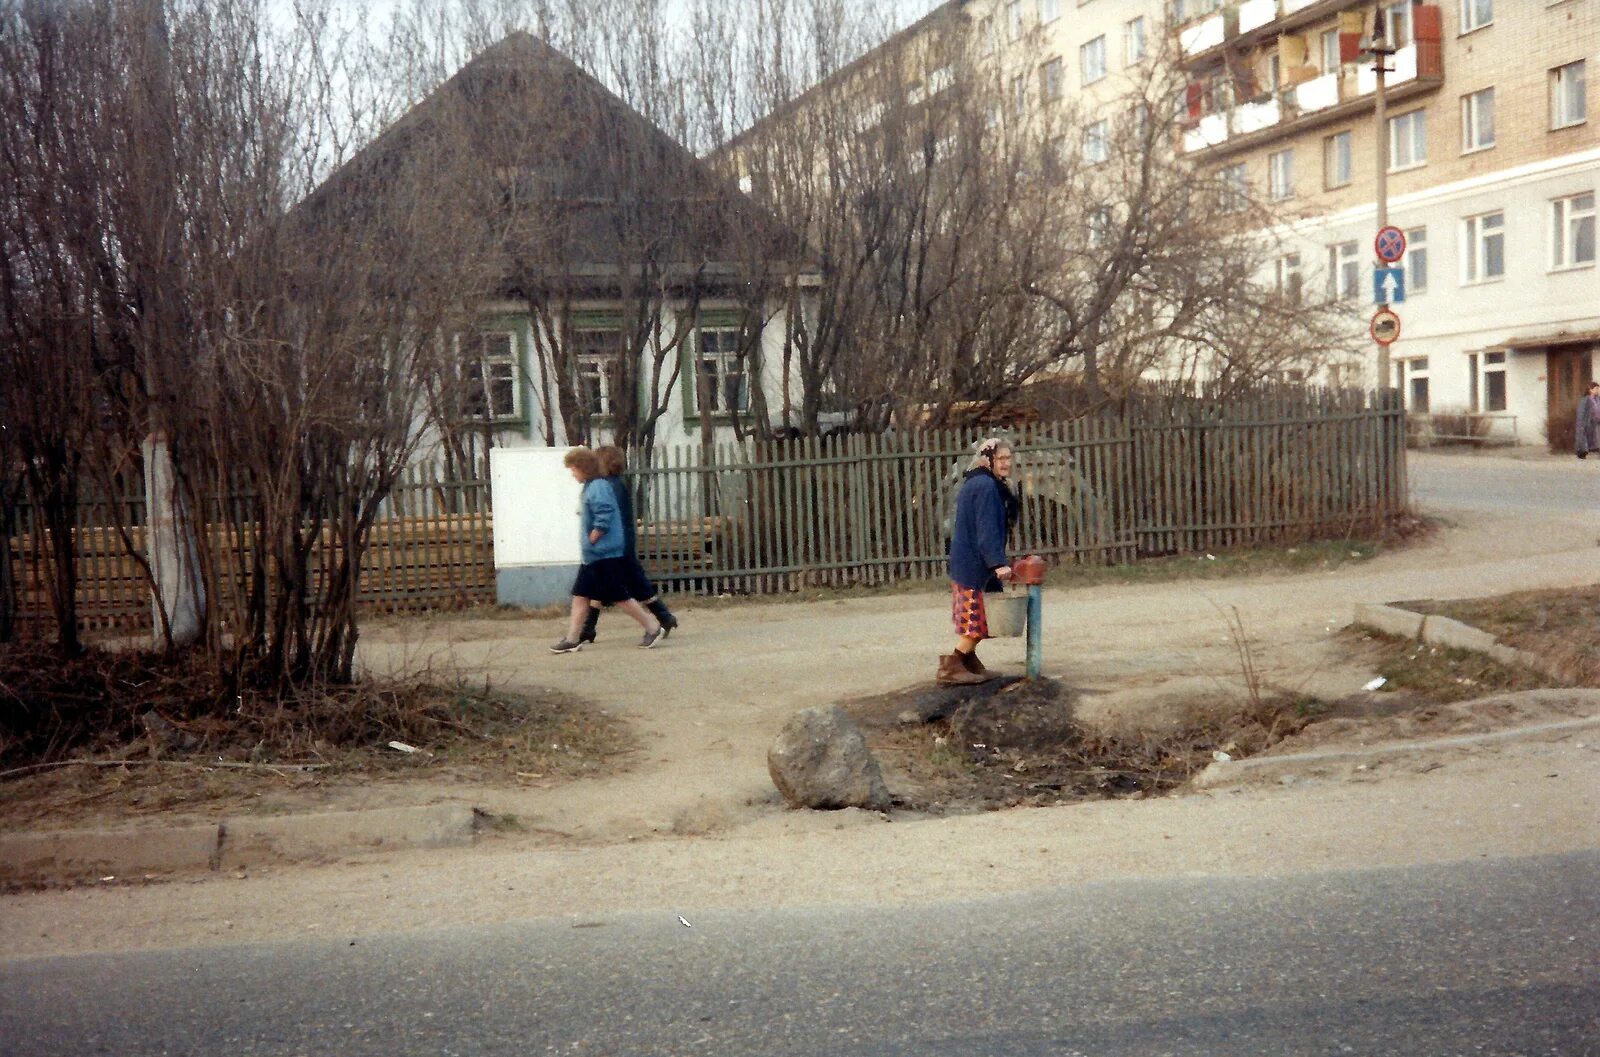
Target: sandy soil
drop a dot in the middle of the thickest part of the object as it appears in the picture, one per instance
(696, 823)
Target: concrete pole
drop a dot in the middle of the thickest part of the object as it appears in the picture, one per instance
(170, 548)
(1380, 55)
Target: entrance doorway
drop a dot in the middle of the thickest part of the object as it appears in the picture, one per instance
(1568, 373)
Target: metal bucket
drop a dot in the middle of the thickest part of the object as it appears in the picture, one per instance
(1007, 613)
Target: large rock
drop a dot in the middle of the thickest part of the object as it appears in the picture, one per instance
(820, 760)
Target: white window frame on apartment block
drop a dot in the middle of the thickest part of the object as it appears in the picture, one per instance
(1280, 174)
(1572, 225)
(1397, 24)
(1477, 235)
(1097, 141)
(1477, 120)
(1019, 94)
(1411, 130)
(1288, 282)
(1344, 269)
(1235, 181)
(1329, 47)
(1569, 95)
(488, 371)
(1480, 369)
(1133, 41)
(1475, 14)
(1338, 152)
(1014, 20)
(1415, 261)
(1092, 60)
(1100, 220)
(1049, 11)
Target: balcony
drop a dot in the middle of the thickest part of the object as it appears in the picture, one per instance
(1241, 25)
(1418, 68)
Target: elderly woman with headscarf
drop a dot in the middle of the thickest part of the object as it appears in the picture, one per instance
(1587, 441)
(985, 511)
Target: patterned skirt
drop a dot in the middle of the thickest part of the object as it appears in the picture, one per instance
(967, 612)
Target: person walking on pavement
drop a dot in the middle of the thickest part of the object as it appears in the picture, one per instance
(1588, 438)
(603, 576)
(612, 463)
(985, 511)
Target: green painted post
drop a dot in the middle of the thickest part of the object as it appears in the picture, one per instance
(1035, 611)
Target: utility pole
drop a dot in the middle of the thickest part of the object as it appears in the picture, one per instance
(1381, 51)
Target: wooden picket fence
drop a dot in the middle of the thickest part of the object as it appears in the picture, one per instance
(1161, 476)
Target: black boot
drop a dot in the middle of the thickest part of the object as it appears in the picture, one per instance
(590, 622)
(663, 614)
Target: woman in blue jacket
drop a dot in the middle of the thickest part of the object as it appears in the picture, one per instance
(612, 463)
(603, 576)
(985, 512)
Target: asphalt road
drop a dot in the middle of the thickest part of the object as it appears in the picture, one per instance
(1505, 485)
(1486, 958)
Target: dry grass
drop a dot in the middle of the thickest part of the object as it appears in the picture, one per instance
(1562, 626)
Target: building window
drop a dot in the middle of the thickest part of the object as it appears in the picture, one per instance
(719, 370)
(986, 36)
(1475, 14)
(1097, 142)
(1092, 59)
(1049, 11)
(1280, 175)
(489, 363)
(1336, 160)
(1569, 100)
(1287, 281)
(1397, 24)
(598, 355)
(1014, 20)
(1019, 94)
(1050, 81)
(1408, 140)
(1487, 381)
(1415, 261)
(1235, 193)
(1344, 269)
(1572, 231)
(1330, 51)
(1477, 120)
(1484, 245)
(1099, 226)
(1415, 374)
(1133, 43)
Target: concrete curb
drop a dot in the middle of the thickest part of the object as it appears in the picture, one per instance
(1451, 634)
(231, 844)
(1217, 775)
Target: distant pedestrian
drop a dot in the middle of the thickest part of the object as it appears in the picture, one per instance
(1588, 438)
(603, 576)
(640, 589)
(986, 510)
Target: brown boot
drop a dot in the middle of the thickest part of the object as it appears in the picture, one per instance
(971, 663)
(953, 672)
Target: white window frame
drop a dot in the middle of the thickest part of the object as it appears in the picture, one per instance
(1338, 151)
(1481, 369)
(1134, 44)
(1280, 174)
(1475, 14)
(1409, 373)
(1398, 27)
(986, 35)
(1014, 21)
(1569, 217)
(1100, 221)
(1049, 11)
(1477, 233)
(1477, 120)
(1328, 44)
(1416, 251)
(723, 362)
(1565, 81)
(490, 370)
(1235, 181)
(601, 366)
(1097, 141)
(1410, 129)
(1092, 60)
(1344, 270)
(1288, 280)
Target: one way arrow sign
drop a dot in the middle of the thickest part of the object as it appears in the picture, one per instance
(1388, 286)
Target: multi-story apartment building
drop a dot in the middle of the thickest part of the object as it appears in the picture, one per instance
(1493, 162)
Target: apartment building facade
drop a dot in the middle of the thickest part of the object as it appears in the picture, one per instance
(1493, 162)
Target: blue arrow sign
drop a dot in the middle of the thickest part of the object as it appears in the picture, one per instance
(1388, 286)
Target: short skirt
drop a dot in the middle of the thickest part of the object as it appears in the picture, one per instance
(967, 612)
(605, 580)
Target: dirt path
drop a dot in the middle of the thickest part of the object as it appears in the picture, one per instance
(708, 703)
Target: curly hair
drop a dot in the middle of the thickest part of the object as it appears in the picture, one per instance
(612, 460)
(586, 462)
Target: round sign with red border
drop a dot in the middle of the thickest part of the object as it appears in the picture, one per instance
(1390, 245)
(1385, 327)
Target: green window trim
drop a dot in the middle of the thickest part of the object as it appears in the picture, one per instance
(514, 325)
(715, 319)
